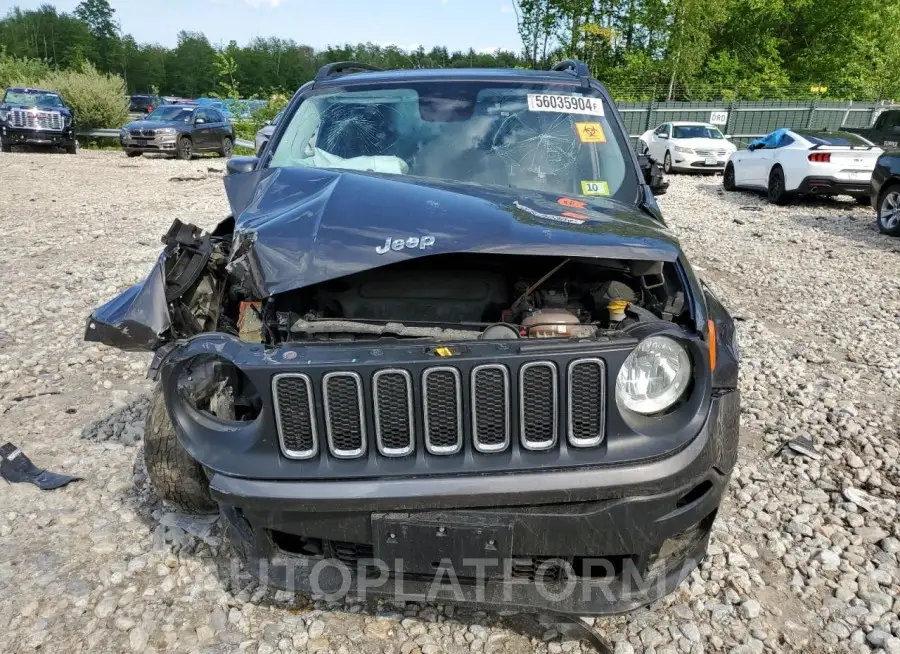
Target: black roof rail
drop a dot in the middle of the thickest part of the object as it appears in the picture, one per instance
(341, 68)
(577, 68)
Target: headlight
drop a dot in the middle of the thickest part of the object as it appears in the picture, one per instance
(217, 388)
(654, 376)
(4, 114)
(165, 131)
(681, 148)
(123, 132)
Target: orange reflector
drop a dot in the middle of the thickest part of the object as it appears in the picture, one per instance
(711, 328)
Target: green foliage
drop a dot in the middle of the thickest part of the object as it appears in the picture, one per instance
(642, 49)
(227, 70)
(15, 70)
(98, 99)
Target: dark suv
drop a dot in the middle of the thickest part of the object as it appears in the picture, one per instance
(182, 130)
(35, 117)
(144, 104)
(445, 347)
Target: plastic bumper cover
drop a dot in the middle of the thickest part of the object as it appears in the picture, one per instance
(17, 136)
(817, 185)
(513, 541)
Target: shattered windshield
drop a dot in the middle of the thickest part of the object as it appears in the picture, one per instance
(42, 100)
(696, 132)
(171, 114)
(546, 138)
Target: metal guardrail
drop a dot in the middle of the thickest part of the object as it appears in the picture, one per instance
(107, 133)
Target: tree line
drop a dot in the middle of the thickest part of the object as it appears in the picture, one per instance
(642, 49)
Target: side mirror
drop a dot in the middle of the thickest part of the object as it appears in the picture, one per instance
(238, 165)
(653, 175)
(663, 135)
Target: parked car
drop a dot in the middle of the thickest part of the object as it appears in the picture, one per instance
(144, 104)
(265, 132)
(181, 130)
(885, 130)
(682, 146)
(885, 192)
(35, 117)
(447, 326)
(789, 163)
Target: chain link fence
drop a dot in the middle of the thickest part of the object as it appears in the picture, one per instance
(744, 120)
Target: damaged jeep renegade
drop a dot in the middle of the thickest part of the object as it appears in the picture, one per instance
(445, 347)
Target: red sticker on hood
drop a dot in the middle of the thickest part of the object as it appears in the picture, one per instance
(569, 202)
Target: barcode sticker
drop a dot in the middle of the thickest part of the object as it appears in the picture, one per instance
(565, 104)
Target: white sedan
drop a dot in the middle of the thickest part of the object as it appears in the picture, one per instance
(788, 163)
(682, 145)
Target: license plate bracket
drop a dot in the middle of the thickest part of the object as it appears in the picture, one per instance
(424, 542)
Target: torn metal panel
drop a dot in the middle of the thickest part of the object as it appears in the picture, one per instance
(138, 318)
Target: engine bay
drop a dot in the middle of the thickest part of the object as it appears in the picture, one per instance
(470, 296)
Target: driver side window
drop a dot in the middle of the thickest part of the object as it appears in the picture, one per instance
(201, 117)
(662, 129)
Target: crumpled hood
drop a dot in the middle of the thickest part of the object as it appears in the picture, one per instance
(300, 226)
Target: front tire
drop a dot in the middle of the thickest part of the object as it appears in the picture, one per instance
(888, 217)
(184, 149)
(227, 147)
(776, 193)
(4, 146)
(667, 163)
(175, 476)
(728, 179)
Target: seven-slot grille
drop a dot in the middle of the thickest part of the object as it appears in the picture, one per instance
(538, 405)
(393, 403)
(36, 119)
(294, 415)
(345, 421)
(587, 417)
(347, 405)
(442, 406)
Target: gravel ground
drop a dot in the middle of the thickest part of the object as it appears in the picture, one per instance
(794, 565)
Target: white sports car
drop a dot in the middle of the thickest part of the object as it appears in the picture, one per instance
(788, 163)
(682, 145)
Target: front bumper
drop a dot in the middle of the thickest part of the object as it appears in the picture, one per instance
(154, 144)
(24, 136)
(587, 541)
(713, 162)
(820, 185)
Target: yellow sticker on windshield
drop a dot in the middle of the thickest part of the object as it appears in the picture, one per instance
(590, 132)
(594, 188)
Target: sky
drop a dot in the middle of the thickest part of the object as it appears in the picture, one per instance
(458, 24)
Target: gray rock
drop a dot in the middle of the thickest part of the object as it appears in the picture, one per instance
(750, 609)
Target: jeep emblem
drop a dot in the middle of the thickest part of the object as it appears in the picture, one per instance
(409, 243)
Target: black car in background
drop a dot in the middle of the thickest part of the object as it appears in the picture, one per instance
(35, 117)
(144, 104)
(885, 188)
(884, 131)
(181, 130)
